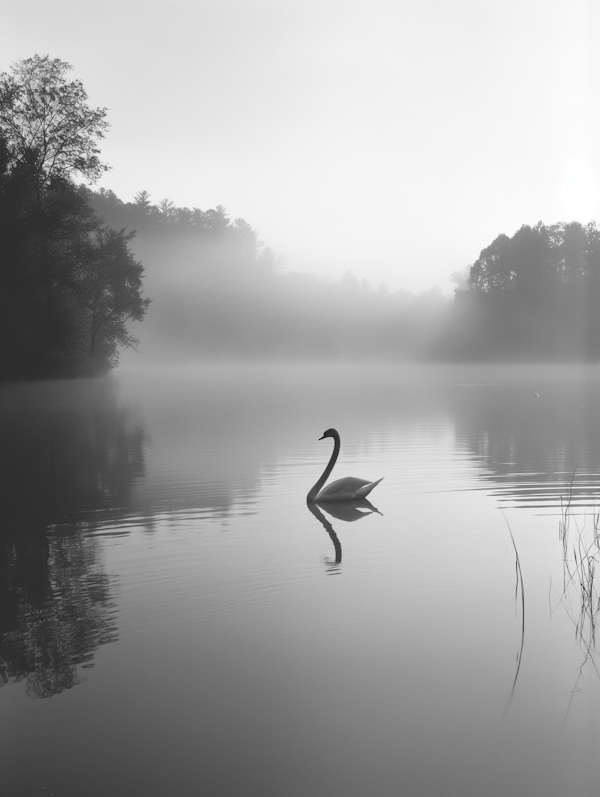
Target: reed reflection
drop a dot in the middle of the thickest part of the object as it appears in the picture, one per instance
(69, 453)
(347, 512)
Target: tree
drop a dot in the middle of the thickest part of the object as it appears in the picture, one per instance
(539, 292)
(45, 117)
(109, 284)
(491, 275)
(65, 314)
(68, 284)
(166, 209)
(142, 200)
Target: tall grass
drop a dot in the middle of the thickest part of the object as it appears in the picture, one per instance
(519, 591)
(580, 593)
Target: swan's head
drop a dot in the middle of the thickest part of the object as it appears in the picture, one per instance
(329, 433)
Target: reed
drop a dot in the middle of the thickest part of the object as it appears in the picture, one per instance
(580, 594)
(519, 592)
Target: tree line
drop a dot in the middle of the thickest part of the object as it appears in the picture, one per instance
(532, 296)
(218, 291)
(71, 273)
(535, 295)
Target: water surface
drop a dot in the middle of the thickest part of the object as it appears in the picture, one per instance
(175, 619)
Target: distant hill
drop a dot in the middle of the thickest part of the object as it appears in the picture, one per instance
(218, 291)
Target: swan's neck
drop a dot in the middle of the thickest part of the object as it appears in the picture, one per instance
(315, 490)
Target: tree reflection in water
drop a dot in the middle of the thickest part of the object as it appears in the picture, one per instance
(67, 450)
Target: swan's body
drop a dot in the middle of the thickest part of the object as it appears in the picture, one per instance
(347, 489)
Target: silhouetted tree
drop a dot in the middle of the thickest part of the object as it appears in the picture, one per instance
(539, 292)
(166, 209)
(142, 200)
(108, 285)
(47, 122)
(68, 285)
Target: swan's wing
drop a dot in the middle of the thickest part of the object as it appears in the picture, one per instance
(341, 487)
(347, 489)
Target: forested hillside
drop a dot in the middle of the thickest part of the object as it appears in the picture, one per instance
(73, 282)
(217, 290)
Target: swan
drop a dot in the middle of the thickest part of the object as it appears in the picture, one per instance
(347, 489)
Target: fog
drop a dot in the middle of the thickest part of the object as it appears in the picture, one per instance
(382, 125)
(228, 314)
(217, 292)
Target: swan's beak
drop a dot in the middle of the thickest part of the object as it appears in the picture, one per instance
(322, 438)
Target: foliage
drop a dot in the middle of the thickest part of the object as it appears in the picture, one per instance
(46, 121)
(538, 293)
(109, 285)
(69, 284)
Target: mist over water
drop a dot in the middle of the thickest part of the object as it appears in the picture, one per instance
(176, 608)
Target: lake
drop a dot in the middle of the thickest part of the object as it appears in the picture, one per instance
(175, 619)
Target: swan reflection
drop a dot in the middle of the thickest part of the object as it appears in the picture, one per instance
(348, 513)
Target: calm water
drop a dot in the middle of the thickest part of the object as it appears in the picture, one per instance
(175, 620)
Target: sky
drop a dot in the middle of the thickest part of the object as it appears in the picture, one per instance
(392, 139)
